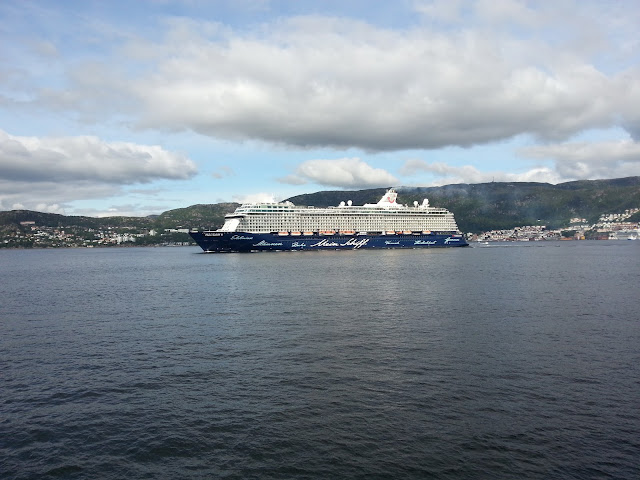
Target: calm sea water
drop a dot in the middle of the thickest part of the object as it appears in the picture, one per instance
(505, 361)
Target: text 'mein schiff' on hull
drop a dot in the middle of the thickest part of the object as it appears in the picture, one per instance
(285, 226)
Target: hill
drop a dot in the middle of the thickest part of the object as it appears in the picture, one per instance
(503, 205)
(201, 216)
(196, 216)
(54, 220)
(477, 207)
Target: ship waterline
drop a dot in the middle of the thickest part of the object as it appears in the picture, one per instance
(284, 226)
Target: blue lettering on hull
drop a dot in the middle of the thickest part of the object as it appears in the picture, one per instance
(249, 242)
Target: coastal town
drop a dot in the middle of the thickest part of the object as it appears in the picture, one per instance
(610, 226)
(28, 234)
(31, 235)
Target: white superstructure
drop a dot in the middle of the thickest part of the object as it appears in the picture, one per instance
(384, 216)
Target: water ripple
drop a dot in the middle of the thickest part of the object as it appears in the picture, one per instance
(477, 363)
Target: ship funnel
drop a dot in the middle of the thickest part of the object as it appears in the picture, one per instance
(389, 198)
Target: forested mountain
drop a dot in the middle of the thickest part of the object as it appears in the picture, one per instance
(14, 217)
(201, 216)
(196, 216)
(501, 205)
(477, 207)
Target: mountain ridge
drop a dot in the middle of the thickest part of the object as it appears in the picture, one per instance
(478, 207)
(502, 205)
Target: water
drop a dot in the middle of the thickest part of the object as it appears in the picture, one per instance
(507, 361)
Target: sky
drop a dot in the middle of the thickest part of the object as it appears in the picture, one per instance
(138, 107)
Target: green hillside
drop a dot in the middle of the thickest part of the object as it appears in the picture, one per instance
(204, 217)
(501, 205)
(14, 217)
(196, 216)
(477, 207)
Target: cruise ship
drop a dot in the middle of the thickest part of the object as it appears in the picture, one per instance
(255, 227)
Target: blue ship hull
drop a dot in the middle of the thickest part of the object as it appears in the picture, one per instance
(256, 242)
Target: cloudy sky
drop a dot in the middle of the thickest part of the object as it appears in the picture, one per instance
(136, 107)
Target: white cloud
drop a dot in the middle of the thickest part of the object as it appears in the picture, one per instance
(323, 81)
(45, 48)
(255, 198)
(45, 173)
(440, 10)
(293, 179)
(40, 207)
(222, 172)
(52, 197)
(88, 158)
(446, 174)
(343, 173)
(326, 82)
(121, 210)
(55, 208)
(571, 161)
(508, 12)
(580, 160)
(457, 73)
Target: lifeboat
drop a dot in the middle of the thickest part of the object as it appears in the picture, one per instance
(283, 234)
(307, 233)
(327, 232)
(426, 232)
(296, 233)
(347, 232)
